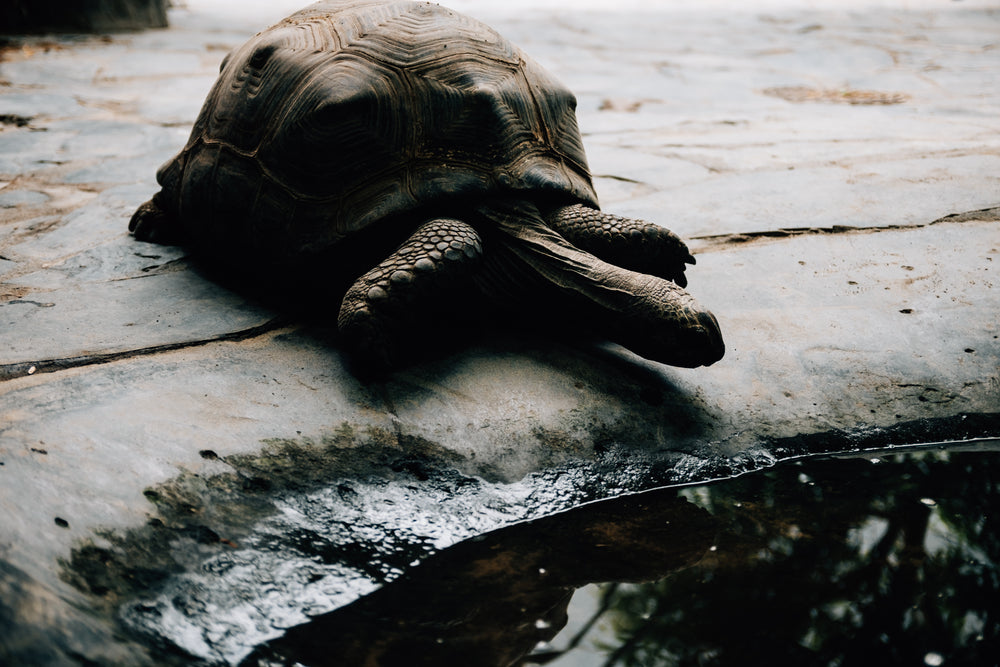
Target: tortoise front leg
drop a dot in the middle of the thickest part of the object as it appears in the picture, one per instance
(635, 245)
(398, 307)
(151, 223)
(649, 315)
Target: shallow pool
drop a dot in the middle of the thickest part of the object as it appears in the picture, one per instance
(887, 558)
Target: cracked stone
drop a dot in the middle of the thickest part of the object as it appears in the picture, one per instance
(189, 423)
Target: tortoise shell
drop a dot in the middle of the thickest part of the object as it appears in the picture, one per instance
(351, 112)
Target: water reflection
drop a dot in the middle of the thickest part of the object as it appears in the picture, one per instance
(491, 600)
(833, 562)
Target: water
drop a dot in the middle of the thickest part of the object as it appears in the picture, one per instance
(817, 562)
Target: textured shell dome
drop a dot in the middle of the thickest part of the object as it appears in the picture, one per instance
(350, 112)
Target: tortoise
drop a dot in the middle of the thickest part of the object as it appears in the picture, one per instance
(423, 164)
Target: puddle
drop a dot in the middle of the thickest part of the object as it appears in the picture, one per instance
(370, 545)
(883, 559)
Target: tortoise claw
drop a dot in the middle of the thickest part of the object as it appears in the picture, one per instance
(150, 223)
(631, 244)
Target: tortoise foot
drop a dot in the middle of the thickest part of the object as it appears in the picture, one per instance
(400, 310)
(150, 223)
(635, 245)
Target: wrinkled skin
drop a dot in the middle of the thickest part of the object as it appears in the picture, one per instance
(628, 288)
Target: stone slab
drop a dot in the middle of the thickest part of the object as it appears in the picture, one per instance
(176, 462)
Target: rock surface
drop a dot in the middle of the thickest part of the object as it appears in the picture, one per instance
(202, 471)
(25, 16)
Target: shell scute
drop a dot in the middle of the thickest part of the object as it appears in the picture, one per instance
(349, 113)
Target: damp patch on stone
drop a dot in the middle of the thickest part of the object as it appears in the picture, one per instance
(230, 560)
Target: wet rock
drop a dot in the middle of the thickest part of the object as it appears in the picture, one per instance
(491, 600)
(200, 469)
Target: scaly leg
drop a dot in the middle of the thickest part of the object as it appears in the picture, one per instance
(409, 299)
(649, 315)
(631, 244)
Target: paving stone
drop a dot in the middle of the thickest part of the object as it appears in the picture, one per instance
(165, 443)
